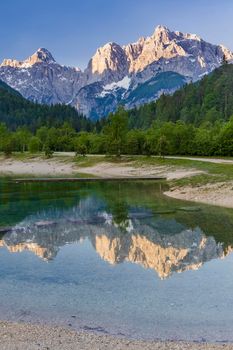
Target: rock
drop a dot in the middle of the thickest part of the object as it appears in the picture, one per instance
(45, 223)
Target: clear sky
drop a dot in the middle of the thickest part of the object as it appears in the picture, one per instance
(73, 29)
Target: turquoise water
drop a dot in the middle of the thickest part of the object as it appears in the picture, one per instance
(116, 258)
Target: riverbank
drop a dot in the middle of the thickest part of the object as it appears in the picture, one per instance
(95, 166)
(219, 194)
(203, 180)
(22, 336)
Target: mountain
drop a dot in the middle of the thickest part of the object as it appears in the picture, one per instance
(41, 79)
(16, 111)
(131, 75)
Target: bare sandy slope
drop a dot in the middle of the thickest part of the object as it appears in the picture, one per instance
(105, 169)
(35, 166)
(57, 167)
(220, 194)
(33, 337)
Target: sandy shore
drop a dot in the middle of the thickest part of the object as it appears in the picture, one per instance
(219, 194)
(57, 167)
(20, 336)
(105, 169)
(35, 166)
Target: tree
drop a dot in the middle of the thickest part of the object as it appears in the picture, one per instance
(42, 134)
(8, 146)
(4, 134)
(162, 146)
(80, 148)
(34, 145)
(135, 141)
(6, 140)
(82, 143)
(47, 150)
(115, 132)
(21, 138)
(225, 139)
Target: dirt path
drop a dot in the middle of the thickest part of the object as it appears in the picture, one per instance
(208, 160)
(201, 159)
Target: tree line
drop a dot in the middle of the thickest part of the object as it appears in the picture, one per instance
(116, 138)
(16, 112)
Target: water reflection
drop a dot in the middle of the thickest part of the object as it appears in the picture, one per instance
(162, 240)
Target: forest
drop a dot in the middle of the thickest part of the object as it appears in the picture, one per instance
(195, 120)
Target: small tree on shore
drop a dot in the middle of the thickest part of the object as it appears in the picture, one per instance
(47, 150)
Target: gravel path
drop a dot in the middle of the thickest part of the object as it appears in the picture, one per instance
(208, 160)
(19, 336)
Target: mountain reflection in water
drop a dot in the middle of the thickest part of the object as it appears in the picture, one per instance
(118, 233)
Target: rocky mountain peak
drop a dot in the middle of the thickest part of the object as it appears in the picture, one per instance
(161, 44)
(162, 33)
(40, 56)
(109, 61)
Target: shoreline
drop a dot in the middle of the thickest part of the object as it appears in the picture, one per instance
(184, 177)
(218, 194)
(23, 336)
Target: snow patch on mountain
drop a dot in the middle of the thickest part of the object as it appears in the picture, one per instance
(124, 84)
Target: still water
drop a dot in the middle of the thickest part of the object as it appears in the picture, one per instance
(116, 258)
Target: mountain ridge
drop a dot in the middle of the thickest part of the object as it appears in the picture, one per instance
(41, 79)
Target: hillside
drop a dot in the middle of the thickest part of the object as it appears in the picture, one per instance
(16, 111)
(5, 87)
(208, 100)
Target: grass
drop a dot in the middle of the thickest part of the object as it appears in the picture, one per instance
(87, 161)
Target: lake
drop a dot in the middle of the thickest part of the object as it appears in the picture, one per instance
(116, 258)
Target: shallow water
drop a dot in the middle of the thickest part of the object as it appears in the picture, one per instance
(117, 258)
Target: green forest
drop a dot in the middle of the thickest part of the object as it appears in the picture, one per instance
(195, 120)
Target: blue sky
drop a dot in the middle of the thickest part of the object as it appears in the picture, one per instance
(73, 29)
